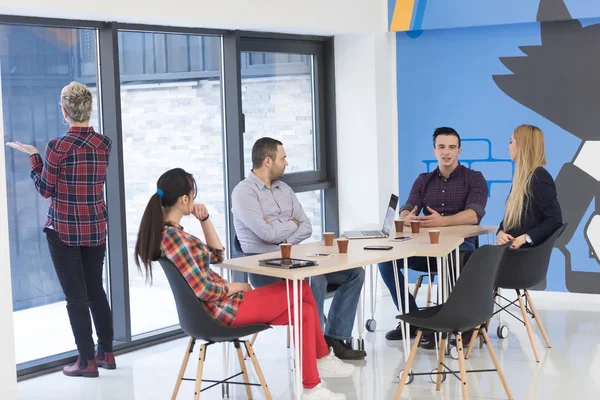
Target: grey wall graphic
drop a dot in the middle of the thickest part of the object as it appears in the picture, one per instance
(560, 80)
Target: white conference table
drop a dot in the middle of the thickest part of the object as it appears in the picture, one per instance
(419, 246)
(464, 231)
(423, 250)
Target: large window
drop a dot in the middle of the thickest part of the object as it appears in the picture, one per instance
(35, 64)
(312, 204)
(167, 97)
(277, 101)
(171, 116)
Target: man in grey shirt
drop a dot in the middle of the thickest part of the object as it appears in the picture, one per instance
(266, 212)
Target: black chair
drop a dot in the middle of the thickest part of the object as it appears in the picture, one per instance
(469, 306)
(521, 270)
(198, 324)
(237, 248)
(236, 252)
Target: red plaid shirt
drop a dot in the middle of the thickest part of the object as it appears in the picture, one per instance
(193, 259)
(73, 173)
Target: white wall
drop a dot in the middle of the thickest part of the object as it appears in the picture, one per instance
(8, 380)
(305, 16)
(366, 126)
(387, 119)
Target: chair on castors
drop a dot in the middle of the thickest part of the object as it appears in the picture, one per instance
(199, 325)
(469, 305)
(521, 270)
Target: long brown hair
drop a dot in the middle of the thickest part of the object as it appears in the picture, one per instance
(170, 187)
(530, 155)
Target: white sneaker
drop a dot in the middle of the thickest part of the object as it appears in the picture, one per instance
(332, 367)
(320, 392)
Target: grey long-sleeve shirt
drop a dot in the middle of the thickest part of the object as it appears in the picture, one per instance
(261, 216)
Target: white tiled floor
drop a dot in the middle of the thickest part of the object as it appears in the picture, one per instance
(57, 331)
(568, 370)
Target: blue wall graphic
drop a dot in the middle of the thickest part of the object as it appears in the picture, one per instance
(484, 82)
(479, 157)
(438, 14)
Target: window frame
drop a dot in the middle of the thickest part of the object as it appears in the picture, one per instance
(314, 49)
(233, 43)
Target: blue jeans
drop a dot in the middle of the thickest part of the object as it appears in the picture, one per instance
(340, 319)
(417, 263)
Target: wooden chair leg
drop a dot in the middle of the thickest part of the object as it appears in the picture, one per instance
(184, 363)
(243, 368)
(474, 337)
(261, 377)
(417, 286)
(528, 326)
(253, 339)
(440, 367)
(538, 320)
(411, 357)
(201, 359)
(497, 364)
(462, 367)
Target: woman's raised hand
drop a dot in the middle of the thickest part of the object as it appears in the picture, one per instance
(25, 148)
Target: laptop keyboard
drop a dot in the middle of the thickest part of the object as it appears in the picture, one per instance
(373, 233)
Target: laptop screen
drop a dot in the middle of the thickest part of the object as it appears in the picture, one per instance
(389, 214)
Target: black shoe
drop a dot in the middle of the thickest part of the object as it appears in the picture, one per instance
(466, 338)
(427, 341)
(396, 334)
(343, 350)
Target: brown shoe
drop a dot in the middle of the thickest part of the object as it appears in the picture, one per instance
(91, 371)
(108, 362)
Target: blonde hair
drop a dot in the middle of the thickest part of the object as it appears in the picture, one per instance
(530, 155)
(76, 99)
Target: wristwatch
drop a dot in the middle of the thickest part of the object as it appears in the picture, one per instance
(528, 239)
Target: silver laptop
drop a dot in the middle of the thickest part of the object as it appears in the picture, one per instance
(387, 224)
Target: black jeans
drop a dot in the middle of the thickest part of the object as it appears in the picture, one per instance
(79, 271)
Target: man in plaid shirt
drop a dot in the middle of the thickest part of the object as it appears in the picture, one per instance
(450, 195)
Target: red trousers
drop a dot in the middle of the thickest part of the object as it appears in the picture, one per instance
(268, 305)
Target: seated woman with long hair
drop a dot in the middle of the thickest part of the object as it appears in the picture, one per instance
(230, 303)
(532, 210)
